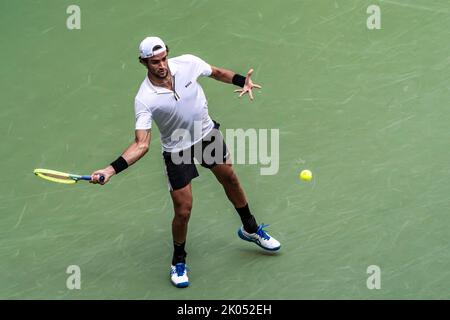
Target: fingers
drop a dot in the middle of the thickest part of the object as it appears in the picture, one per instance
(244, 91)
(253, 86)
(95, 178)
(249, 73)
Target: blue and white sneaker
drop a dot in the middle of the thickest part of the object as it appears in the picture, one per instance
(178, 275)
(260, 237)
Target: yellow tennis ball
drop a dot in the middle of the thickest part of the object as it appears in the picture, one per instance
(306, 175)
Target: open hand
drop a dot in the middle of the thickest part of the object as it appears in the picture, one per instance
(248, 86)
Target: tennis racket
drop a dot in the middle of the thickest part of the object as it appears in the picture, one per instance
(62, 177)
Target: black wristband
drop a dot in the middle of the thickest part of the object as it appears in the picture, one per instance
(119, 164)
(238, 80)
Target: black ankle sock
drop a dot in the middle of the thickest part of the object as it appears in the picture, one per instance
(248, 220)
(179, 255)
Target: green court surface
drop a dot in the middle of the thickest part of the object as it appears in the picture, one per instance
(367, 111)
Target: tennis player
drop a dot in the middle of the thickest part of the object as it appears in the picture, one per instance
(171, 96)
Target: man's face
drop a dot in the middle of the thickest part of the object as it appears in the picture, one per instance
(158, 65)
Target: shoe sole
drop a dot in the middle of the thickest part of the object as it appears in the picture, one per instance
(181, 285)
(243, 237)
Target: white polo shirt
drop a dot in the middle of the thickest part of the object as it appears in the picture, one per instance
(185, 108)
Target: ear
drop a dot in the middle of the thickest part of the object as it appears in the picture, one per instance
(143, 62)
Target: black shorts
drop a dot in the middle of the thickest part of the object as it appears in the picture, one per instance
(180, 166)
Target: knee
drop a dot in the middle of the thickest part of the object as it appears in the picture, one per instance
(183, 211)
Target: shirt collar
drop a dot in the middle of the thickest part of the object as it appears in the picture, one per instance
(173, 67)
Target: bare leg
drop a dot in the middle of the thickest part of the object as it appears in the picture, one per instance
(182, 204)
(227, 177)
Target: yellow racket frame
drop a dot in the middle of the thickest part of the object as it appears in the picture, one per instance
(52, 175)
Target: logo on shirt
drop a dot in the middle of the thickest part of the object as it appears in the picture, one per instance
(188, 84)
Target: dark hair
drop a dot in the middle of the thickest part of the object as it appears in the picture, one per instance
(144, 60)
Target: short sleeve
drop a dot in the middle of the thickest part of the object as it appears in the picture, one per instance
(143, 116)
(201, 67)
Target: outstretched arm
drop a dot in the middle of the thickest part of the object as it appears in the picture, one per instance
(229, 76)
(132, 154)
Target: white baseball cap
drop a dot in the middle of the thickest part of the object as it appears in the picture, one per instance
(147, 45)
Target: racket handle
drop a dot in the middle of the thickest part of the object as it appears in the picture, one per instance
(88, 178)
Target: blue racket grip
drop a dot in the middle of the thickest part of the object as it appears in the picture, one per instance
(88, 178)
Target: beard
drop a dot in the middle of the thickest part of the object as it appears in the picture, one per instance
(161, 75)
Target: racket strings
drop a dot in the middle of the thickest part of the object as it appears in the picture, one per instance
(55, 176)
